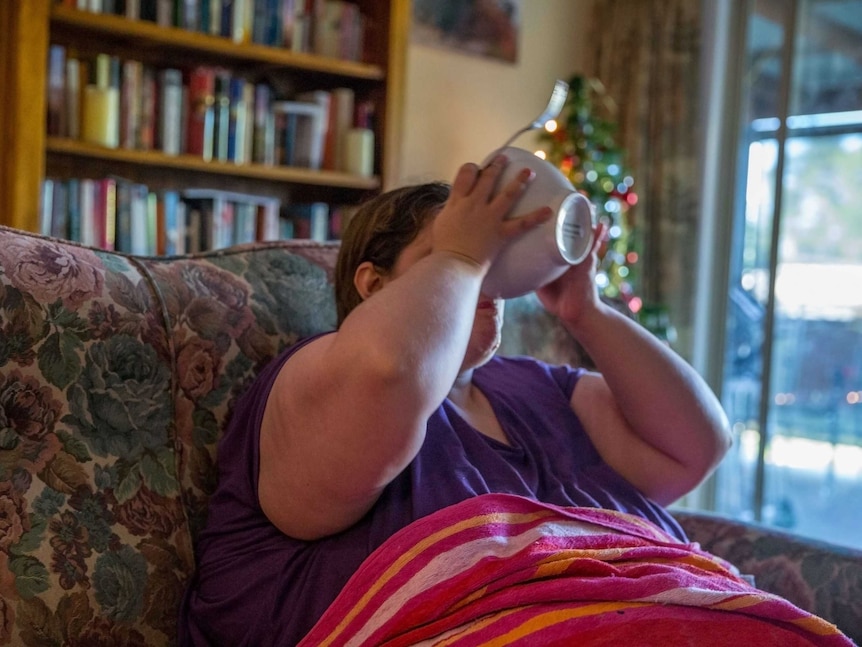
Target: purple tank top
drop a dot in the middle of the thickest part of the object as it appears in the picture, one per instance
(256, 586)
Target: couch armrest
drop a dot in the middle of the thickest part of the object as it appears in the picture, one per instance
(822, 578)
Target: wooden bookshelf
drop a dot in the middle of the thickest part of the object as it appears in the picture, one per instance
(31, 26)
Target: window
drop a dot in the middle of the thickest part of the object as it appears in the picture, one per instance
(790, 369)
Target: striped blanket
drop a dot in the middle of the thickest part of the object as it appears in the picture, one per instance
(505, 570)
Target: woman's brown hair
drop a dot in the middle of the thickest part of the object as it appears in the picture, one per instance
(379, 231)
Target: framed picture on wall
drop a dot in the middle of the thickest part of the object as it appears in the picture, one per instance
(487, 28)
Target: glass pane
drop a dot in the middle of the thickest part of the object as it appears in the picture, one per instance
(812, 459)
(737, 490)
(814, 456)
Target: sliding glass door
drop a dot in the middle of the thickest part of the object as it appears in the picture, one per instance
(791, 339)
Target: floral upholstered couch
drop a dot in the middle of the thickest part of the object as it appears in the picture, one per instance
(117, 374)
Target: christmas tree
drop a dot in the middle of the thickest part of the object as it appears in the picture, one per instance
(581, 143)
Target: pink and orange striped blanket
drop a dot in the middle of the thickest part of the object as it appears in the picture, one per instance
(505, 570)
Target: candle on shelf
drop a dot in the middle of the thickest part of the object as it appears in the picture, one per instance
(101, 123)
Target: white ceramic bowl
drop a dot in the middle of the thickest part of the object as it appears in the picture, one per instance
(544, 253)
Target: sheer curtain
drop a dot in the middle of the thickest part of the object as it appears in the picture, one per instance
(647, 55)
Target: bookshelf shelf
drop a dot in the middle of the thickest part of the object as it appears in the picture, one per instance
(34, 154)
(61, 147)
(72, 26)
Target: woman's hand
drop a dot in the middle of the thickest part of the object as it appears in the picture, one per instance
(575, 293)
(473, 223)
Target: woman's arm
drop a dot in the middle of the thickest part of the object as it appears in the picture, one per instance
(649, 414)
(348, 412)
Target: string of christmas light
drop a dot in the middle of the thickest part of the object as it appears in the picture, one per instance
(581, 143)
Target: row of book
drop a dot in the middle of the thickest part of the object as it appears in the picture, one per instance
(116, 214)
(205, 111)
(333, 28)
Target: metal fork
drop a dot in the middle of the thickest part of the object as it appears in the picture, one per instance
(551, 111)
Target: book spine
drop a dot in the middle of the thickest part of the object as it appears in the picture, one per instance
(215, 17)
(130, 105)
(236, 121)
(221, 121)
(152, 212)
(55, 98)
(263, 151)
(124, 217)
(201, 112)
(46, 206)
(88, 214)
(133, 9)
(165, 13)
(72, 97)
(148, 109)
(107, 214)
(170, 115)
(74, 207)
(59, 211)
(170, 201)
(343, 100)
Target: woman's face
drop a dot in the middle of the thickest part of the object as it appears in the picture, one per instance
(488, 321)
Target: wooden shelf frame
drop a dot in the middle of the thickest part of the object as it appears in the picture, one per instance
(70, 25)
(30, 26)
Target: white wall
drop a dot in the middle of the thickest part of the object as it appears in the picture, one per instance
(459, 107)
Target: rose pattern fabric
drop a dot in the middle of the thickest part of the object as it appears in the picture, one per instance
(117, 375)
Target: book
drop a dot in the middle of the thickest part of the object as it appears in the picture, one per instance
(152, 211)
(149, 94)
(268, 220)
(215, 17)
(221, 118)
(189, 15)
(351, 29)
(173, 222)
(201, 115)
(55, 99)
(139, 194)
(242, 15)
(59, 211)
(304, 132)
(263, 149)
(327, 23)
(322, 98)
(124, 217)
(87, 200)
(224, 218)
(72, 99)
(288, 18)
(310, 220)
(165, 15)
(73, 204)
(170, 113)
(46, 206)
(130, 104)
(105, 216)
(244, 223)
(343, 100)
(237, 121)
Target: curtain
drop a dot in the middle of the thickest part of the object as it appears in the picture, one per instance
(647, 55)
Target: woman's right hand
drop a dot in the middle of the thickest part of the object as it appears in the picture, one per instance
(473, 224)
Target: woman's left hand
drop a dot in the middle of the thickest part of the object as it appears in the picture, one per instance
(574, 293)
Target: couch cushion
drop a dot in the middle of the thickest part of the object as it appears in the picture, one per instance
(230, 312)
(116, 376)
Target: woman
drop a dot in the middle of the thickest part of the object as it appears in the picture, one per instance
(352, 435)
